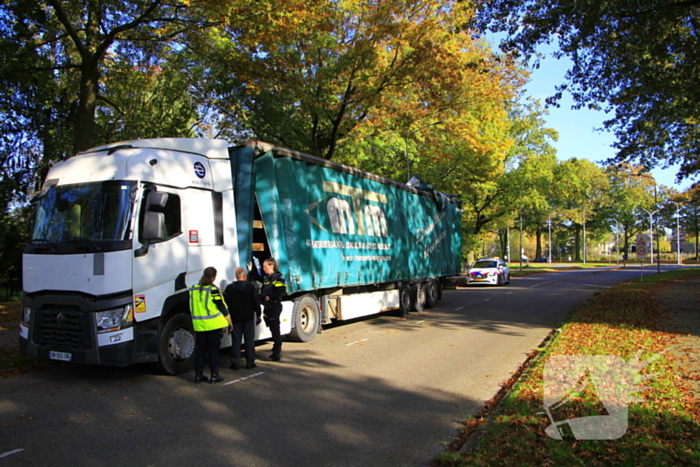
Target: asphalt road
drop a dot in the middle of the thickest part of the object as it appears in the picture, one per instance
(377, 391)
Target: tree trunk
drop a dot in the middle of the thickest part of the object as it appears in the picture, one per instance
(85, 115)
(577, 242)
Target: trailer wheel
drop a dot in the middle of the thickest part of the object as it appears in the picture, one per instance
(418, 297)
(404, 300)
(305, 319)
(432, 293)
(176, 346)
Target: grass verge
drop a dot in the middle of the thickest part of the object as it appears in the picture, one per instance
(663, 428)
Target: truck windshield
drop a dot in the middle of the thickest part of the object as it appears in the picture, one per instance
(85, 213)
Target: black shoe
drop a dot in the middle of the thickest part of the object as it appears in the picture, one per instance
(199, 377)
(275, 357)
(215, 378)
(235, 366)
(248, 366)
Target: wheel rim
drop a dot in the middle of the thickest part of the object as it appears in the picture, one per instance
(181, 344)
(306, 319)
(420, 294)
(432, 292)
(405, 298)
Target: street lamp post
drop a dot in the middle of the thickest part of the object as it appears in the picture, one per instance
(405, 139)
(549, 223)
(617, 241)
(678, 230)
(651, 222)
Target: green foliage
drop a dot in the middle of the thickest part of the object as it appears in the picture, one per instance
(637, 59)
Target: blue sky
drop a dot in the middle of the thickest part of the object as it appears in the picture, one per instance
(577, 135)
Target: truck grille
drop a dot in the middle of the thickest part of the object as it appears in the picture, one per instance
(60, 329)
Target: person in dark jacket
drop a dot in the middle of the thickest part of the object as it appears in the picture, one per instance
(244, 307)
(271, 295)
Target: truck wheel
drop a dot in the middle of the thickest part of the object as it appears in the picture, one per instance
(404, 300)
(305, 319)
(418, 297)
(176, 347)
(432, 294)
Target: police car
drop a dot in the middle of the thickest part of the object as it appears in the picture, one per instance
(493, 271)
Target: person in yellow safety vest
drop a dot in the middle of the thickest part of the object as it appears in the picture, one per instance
(210, 318)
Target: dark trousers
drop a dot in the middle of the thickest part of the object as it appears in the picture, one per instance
(245, 330)
(207, 344)
(273, 322)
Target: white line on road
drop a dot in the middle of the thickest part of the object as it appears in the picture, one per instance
(243, 379)
(357, 342)
(487, 299)
(9, 453)
(543, 283)
(421, 321)
(457, 309)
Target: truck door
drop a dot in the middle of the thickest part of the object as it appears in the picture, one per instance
(161, 258)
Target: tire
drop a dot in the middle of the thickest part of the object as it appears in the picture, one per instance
(305, 319)
(508, 280)
(499, 280)
(418, 297)
(404, 300)
(176, 345)
(432, 294)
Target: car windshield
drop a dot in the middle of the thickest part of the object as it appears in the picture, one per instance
(485, 264)
(88, 212)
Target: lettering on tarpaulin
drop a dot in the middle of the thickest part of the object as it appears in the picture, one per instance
(356, 218)
(434, 245)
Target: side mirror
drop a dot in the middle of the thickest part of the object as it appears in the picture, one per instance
(154, 226)
(153, 220)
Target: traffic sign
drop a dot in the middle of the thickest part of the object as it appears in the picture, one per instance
(642, 243)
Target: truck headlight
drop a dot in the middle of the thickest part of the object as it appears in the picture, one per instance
(114, 319)
(26, 314)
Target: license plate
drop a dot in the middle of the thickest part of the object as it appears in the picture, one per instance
(63, 356)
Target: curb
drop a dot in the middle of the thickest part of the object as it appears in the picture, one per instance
(505, 391)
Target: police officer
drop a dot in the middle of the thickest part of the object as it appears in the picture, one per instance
(209, 318)
(271, 294)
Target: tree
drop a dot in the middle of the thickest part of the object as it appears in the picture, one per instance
(690, 214)
(631, 191)
(581, 189)
(66, 44)
(310, 74)
(638, 59)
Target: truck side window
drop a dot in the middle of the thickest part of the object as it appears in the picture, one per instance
(172, 211)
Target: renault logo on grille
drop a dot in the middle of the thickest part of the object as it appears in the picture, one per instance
(62, 319)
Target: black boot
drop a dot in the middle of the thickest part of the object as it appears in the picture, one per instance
(215, 378)
(199, 377)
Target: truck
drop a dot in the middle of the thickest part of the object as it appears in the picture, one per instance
(121, 230)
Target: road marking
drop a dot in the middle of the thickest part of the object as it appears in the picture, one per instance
(421, 321)
(243, 379)
(509, 293)
(543, 283)
(457, 309)
(357, 342)
(9, 453)
(487, 299)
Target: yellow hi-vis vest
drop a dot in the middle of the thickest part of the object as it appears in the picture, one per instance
(205, 314)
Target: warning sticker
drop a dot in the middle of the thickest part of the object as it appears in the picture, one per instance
(140, 303)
